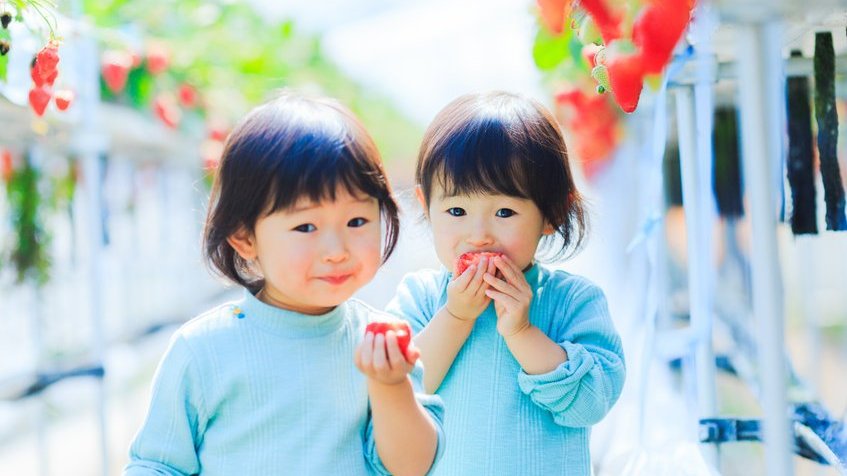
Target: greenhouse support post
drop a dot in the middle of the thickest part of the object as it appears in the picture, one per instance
(695, 172)
(758, 44)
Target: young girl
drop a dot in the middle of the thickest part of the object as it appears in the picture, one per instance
(525, 378)
(268, 384)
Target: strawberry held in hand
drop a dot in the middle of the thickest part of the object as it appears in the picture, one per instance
(400, 328)
(472, 257)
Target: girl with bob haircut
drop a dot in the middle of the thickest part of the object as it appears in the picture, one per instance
(269, 384)
(526, 358)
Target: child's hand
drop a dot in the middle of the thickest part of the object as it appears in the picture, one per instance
(466, 297)
(511, 296)
(379, 357)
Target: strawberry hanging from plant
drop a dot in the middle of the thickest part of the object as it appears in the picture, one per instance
(39, 98)
(63, 99)
(115, 69)
(657, 29)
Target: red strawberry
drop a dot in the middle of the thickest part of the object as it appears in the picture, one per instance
(400, 328)
(167, 111)
(472, 257)
(39, 98)
(47, 60)
(626, 76)
(657, 30)
(158, 58)
(553, 14)
(187, 95)
(63, 99)
(608, 21)
(115, 69)
(39, 81)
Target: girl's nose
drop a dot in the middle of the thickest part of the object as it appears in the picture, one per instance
(335, 250)
(479, 236)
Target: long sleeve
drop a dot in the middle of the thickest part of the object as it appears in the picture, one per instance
(583, 389)
(167, 442)
(431, 403)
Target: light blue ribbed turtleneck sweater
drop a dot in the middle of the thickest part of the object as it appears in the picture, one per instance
(250, 389)
(503, 421)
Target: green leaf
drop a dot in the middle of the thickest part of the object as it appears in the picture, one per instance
(548, 50)
(4, 61)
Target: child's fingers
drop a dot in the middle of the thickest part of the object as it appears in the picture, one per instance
(502, 298)
(412, 354)
(392, 347)
(509, 269)
(366, 357)
(461, 283)
(477, 280)
(500, 285)
(380, 359)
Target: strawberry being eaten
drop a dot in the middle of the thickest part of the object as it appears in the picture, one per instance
(472, 257)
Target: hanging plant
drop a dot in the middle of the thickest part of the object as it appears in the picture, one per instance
(28, 251)
(32, 194)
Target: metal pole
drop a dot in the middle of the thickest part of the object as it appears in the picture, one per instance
(759, 158)
(695, 168)
(91, 145)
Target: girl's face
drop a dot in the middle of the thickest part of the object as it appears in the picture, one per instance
(500, 223)
(314, 256)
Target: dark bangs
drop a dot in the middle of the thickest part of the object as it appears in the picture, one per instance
(291, 148)
(479, 157)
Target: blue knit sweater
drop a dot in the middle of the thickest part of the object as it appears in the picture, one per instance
(503, 421)
(251, 389)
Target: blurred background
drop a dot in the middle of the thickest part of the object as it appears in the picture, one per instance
(710, 166)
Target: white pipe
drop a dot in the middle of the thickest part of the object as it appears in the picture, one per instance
(90, 144)
(695, 171)
(759, 158)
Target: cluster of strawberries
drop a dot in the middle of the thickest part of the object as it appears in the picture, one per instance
(625, 52)
(44, 71)
(116, 66)
(655, 32)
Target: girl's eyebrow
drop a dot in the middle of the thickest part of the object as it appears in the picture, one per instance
(312, 205)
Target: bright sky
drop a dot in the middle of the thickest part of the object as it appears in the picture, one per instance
(424, 53)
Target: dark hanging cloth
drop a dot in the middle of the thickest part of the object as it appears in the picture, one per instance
(727, 164)
(800, 167)
(828, 131)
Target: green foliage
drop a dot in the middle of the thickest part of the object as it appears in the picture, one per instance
(237, 58)
(549, 51)
(28, 253)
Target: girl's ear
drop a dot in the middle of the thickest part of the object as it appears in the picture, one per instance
(548, 229)
(243, 243)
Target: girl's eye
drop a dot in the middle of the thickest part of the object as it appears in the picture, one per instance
(357, 222)
(305, 228)
(505, 212)
(456, 211)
